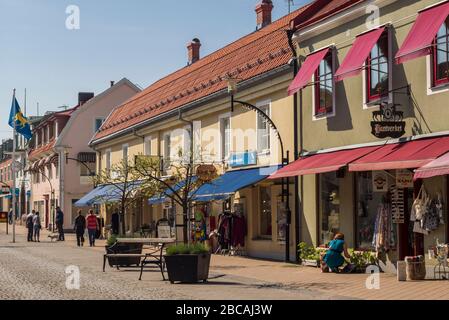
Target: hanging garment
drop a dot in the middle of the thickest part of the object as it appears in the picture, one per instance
(224, 226)
(383, 239)
(239, 231)
(418, 212)
(431, 221)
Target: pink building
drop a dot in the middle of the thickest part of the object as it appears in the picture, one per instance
(61, 163)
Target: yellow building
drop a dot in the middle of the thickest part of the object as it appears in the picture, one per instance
(238, 141)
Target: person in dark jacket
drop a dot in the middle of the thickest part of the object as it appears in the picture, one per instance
(115, 222)
(30, 226)
(60, 223)
(80, 228)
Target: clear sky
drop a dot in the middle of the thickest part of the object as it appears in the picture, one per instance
(142, 40)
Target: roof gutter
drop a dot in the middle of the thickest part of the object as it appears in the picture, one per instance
(193, 105)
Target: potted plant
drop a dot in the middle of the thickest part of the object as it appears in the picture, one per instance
(113, 247)
(361, 260)
(188, 263)
(309, 255)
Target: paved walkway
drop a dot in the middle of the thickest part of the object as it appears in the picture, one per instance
(37, 271)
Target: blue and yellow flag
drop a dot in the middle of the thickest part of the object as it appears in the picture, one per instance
(18, 121)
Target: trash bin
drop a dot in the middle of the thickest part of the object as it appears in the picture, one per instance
(416, 268)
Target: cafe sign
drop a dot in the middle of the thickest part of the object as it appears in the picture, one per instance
(388, 122)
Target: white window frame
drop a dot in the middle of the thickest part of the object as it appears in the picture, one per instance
(108, 159)
(125, 146)
(95, 123)
(166, 140)
(266, 152)
(334, 95)
(221, 118)
(366, 104)
(147, 149)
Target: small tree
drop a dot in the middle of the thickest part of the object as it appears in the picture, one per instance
(126, 184)
(180, 185)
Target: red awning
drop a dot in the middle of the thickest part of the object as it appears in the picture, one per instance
(356, 57)
(438, 167)
(322, 163)
(307, 69)
(419, 41)
(407, 155)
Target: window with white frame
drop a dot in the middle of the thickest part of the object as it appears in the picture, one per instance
(225, 136)
(108, 160)
(263, 130)
(147, 147)
(125, 153)
(440, 56)
(167, 151)
(98, 123)
(378, 70)
(324, 87)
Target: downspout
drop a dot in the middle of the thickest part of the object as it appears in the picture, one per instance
(297, 147)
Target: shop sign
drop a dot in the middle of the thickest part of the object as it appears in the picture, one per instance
(3, 217)
(380, 181)
(206, 172)
(404, 179)
(242, 159)
(388, 122)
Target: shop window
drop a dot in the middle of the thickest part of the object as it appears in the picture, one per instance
(265, 212)
(263, 130)
(378, 70)
(329, 206)
(324, 87)
(441, 56)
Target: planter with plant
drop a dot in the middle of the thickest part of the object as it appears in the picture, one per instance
(113, 247)
(361, 260)
(188, 263)
(309, 255)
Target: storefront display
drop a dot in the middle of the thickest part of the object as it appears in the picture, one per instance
(329, 206)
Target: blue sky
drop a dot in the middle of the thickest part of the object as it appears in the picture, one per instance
(142, 40)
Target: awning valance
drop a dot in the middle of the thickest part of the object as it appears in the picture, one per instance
(438, 167)
(406, 155)
(308, 68)
(322, 163)
(357, 55)
(231, 182)
(419, 41)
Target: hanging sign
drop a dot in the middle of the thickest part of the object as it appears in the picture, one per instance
(380, 181)
(404, 179)
(388, 122)
(206, 173)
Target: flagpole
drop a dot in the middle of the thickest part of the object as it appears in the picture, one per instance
(14, 176)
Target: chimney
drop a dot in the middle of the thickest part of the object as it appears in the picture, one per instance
(263, 11)
(112, 83)
(193, 49)
(83, 97)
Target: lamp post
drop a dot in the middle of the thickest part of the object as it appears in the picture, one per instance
(232, 90)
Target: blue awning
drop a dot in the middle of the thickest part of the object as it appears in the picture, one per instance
(105, 194)
(231, 182)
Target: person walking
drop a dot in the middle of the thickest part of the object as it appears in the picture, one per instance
(115, 222)
(37, 226)
(80, 227)
(92, 227)
(30, 226)
(60, 223)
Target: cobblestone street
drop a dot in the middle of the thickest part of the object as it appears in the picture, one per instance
(37, 271)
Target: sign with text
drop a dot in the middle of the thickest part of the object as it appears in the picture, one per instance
(242, 159)
(404, 179)
(388, 122)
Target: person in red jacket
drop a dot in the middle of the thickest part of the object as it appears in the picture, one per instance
(92, 227)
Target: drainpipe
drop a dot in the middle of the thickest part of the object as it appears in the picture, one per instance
(297, 108)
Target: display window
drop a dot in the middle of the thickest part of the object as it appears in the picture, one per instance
(329, 207)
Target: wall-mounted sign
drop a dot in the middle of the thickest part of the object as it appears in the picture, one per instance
(404, 179)
(380, 181)
(388, 122)
(242, 159)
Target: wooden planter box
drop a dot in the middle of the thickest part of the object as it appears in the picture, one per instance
(120, 248)
(188, 268)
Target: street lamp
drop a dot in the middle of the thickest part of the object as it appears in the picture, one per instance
(232, 84)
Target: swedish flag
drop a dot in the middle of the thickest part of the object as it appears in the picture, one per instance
(18, 121)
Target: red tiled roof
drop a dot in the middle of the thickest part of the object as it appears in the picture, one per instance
(319, 10)
(250, 56)
(42, 149)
